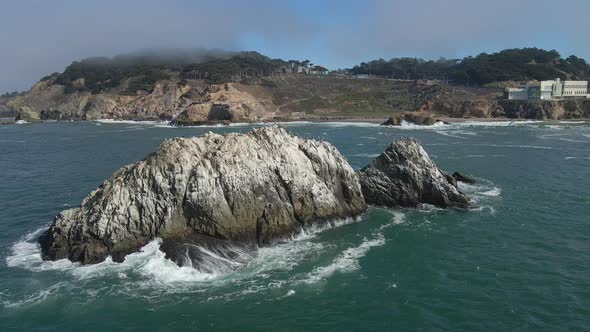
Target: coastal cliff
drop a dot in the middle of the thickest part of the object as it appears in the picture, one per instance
(169, 100)
(244, 189)
(512, 109)
(304, 97)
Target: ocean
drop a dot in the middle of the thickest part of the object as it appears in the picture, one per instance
(516, 260)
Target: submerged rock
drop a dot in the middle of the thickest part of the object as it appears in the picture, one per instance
(405, 176)
(463, 178)
(244, 188)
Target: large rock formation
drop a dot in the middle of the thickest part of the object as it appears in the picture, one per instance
(229, 194)
(405, 176)
(245, 188)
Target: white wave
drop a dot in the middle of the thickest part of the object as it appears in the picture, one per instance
(149, 261)
(569, 158)
(517, 146)
(34, 298)
(449, 134)
(397, 219)
(282, 257)
(494, 123)
(367, 155)
(483, 208)
(410, 126)
(26, 254)
(492, 192)
(316, 228)
(130, 122)
(428, 208)
(347, 261)
(347, 124)
(572, 122)
(21, 122)
(335, 124)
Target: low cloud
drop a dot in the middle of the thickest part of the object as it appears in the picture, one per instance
(39, 37)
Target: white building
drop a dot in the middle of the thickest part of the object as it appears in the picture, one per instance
(550, 90)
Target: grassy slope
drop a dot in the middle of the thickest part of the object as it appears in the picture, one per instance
(335, 96)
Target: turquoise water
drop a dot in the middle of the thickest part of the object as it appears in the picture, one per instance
(518, 260)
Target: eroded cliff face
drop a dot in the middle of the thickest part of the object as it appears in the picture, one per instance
(246, 188)
(225, 102)
(518, 109)
(169, 100)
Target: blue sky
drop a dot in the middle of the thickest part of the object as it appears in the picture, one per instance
(38, 37)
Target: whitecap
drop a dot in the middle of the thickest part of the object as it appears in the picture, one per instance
(34, 298)
(483, 208)
(21, 122)
(495, 123)
(149, 261)
(347, 124)
(492, 192)
(572, 122)
(117, 121)
(366, 155)
(347, 261)
(409, 125)
(517, 146)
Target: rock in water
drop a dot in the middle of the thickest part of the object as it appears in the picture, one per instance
(404, 176)
(417, 118)
(248, 188)
(463, 178)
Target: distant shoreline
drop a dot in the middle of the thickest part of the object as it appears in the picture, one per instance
(342, 119)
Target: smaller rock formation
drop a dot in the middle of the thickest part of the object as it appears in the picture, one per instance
(405, 176)
(417, 118)
(463, 178)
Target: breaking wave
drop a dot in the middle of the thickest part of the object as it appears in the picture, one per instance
(495, 123)
(110, 121)
(149, 271)
(349, 259)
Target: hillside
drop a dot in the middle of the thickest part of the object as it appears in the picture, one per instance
(191, 88)
(508, 65)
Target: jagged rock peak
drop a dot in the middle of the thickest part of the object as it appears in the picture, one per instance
(405, 176)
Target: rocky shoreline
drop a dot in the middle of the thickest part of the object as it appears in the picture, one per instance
(195, 102)
(245, 190)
